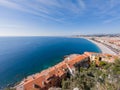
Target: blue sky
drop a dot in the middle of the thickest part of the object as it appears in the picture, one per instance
(58, 17)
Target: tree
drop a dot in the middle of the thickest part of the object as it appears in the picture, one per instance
(104, 77)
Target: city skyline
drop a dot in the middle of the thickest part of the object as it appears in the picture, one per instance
(58, 17)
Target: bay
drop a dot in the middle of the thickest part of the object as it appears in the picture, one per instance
(23, 56)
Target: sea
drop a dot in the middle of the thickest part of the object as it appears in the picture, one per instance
(24, 56)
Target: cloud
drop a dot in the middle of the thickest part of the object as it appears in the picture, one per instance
(9, 4)
(111, 20)
(81, 4)
(49, 9)
(106, 11)
(63, 10)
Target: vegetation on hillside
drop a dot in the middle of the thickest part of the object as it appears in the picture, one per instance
(104, 77)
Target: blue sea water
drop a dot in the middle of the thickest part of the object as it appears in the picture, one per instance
(23, 56)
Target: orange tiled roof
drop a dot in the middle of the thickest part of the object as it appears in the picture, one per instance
(56, 71)
(44, 78)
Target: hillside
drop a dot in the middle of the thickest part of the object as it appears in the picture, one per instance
(106, 76)
(89, 71)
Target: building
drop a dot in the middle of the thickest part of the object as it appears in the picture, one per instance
(53, 76)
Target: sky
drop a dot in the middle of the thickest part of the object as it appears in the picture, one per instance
(58, 17)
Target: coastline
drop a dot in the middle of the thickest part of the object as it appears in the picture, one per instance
(102, 47)
(53, 76)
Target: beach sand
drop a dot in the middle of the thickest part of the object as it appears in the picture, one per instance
(103, 48)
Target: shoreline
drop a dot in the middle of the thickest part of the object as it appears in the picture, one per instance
(52, 77)
(103, 48)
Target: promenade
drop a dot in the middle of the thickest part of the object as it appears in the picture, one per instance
(103, 48)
